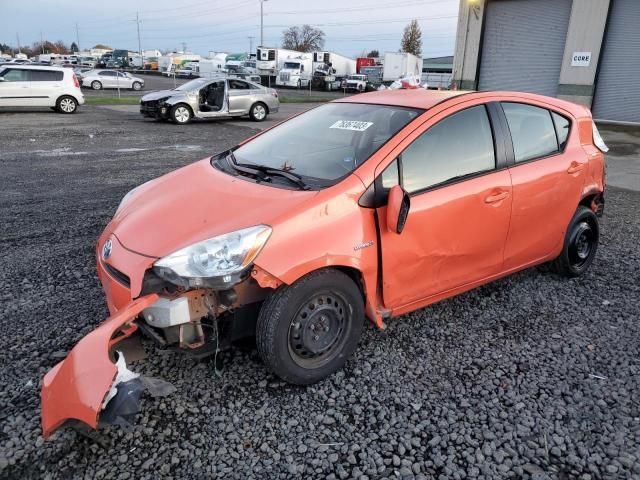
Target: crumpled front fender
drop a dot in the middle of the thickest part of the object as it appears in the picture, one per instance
(76, 387)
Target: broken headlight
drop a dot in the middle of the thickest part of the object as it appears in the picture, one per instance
(218, 262)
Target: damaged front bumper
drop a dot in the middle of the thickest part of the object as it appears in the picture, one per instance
(77, 387)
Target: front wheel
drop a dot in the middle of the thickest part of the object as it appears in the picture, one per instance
(580, 244)
(181, 114)
(307, 330)
(66, 104)
(258, 112)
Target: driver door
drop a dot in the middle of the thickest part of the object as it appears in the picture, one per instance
(459, 214)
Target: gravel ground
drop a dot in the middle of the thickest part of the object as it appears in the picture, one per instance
(533, 376)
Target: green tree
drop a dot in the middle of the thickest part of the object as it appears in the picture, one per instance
(412, 39)
(303, 39)
(74, 47)
(373, 54)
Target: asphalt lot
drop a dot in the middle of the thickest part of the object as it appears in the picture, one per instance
(533, 376)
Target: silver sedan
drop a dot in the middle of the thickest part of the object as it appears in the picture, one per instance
(99, 79)
(211, 98)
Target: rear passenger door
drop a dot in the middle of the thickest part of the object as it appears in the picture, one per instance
(460, 208)
(15, 90)
(108, 79)
(239, 96)
(547, 175)
(46, 86)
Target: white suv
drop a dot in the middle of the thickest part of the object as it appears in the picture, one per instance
(35, 86)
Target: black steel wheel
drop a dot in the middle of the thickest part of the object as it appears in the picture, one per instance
(316, 331)
(308, 330)
(580, 244)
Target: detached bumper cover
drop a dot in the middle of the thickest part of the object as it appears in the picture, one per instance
(76, 387)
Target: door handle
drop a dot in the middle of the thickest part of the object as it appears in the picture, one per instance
(496, 197)
(575, 167)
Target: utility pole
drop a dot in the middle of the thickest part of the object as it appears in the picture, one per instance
(184, 47)
(18, 38)
(77, 38)
(139, 43)
(41, 42)
(262, 23)
(251, 44)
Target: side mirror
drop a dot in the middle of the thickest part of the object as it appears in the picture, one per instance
(398, 206)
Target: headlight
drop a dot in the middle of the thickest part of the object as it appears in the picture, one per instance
(218, 262)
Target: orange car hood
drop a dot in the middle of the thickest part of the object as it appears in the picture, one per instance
(195, 203)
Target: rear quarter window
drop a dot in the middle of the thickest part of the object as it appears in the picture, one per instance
(46, 76)
(563, 125)
(532, 131)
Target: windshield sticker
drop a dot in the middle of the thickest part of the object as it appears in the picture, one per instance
(354, 125)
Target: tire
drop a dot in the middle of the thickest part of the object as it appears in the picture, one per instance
(306, 331)
(66, 104)
(181, 114)
(136, 86)
(299, 84)
(96, 85)
(580, 244)
(258, 112)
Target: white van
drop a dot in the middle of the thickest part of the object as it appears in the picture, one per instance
(35, 86)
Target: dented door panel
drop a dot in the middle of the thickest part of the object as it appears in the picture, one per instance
(75, 388)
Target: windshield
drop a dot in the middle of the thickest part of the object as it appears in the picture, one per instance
(293, 65)
(328, 142)
(196, 84)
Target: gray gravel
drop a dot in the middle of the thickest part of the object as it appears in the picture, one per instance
(532, 377)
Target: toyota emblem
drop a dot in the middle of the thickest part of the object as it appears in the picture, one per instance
(106, 249)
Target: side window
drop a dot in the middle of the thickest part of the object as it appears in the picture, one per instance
(562, 129)
(238, 85)
(459, 145)
(107, 74)
(532, 131)
(46, 76)
(15, 75)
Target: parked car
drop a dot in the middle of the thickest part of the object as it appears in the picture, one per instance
(188, 72)
(355, 82)
(368, 206)
(211, 98)
(243, 73)
(81, 71)
(39, 86)
(99, 79)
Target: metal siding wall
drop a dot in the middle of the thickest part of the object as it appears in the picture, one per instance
(617, 95)
(523, 45)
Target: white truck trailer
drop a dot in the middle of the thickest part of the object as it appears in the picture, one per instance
(295, 71)
(269, 61)
(398, 64)
(341, 65)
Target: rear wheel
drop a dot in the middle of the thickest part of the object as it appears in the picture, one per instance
(96, 85)
(66, 104)
(580, 244)
(308, 330)
(258, 112)
(181, 114)
(136, 85)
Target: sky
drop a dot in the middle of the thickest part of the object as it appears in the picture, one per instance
(226, 25)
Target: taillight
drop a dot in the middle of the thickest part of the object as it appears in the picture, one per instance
(75, 81)
(274, 93)
(597, 139)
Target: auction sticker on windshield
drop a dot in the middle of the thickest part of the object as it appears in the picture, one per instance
(351, 125)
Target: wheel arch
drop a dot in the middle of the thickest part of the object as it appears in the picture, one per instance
(365, 281)
(263, 103)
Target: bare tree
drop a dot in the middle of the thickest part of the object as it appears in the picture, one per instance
(412, 39)
(303, 39)
(373, 54)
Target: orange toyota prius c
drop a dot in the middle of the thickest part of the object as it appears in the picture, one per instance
(370, 206)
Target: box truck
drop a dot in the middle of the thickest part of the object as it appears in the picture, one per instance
(398, 64)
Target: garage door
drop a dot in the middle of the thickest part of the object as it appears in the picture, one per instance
(617, 95)
(523, 44)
